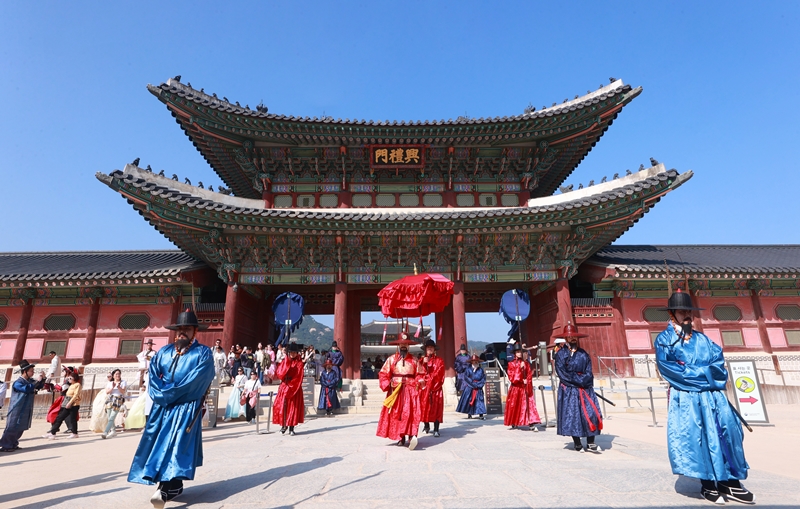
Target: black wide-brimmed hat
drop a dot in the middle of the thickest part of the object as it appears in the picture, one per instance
(294, 347)
(680, 301)
(334, 344)
(462, 347)
(432, 343)
(187, 319)
(516, 347)
(25, 366)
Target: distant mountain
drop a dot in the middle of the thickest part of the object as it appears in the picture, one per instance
(311, 332)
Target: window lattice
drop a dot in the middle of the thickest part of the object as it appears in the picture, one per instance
(465, 200)
(283, 201)
(59, 322)
(432, 200)
(328, 201)
(487, 200)
(384, 200)
(134, 321)
(59, 347)
(509, 200)
(362, 200)
(130, 347)
(305, 201)
(793, 337)
(3, 322)
(656, 315)
(409, 200)
(732, 338)
(727, 313)
(788, 312)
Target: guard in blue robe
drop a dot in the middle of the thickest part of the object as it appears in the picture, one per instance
(461, 365)
(472, 400)
(337, 359)
(704, 436)
(328, 398)
(20, 407)
(171, 445)
(578, 409)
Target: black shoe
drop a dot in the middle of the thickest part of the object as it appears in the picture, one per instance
(283, 430)
(436, 434)
(482, 417)
(401, 442)
(426, 429)
(712, 495)
(739, 494)
(291, 431)
(592, 447)
(578, 447)
(171, 494)
(469, 416)
(158, 499)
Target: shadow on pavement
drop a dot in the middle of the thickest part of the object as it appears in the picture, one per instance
(605, 442)
(301, 431)
(11, 464)
(67, 498)
(86, 481)
(332, 489)
(219, 491)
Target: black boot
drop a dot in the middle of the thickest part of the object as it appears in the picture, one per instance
(426, 428)
(710, 492)
(401, 442)
(436, 429)
(590, 445)
(291, 431)
(733, 489)
(283, 430)
(577, 442)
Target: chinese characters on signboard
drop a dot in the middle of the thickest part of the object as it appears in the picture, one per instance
(397, 156)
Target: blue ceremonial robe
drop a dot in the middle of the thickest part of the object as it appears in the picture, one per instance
(461, 365)
(166, 451)
(704, 437)
(337, 358)
(474, 380)
(20, 411)
(578, 409)
(328, 380)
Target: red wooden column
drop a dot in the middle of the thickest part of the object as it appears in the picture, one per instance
(352, 356)
(22, 336)
(229, 325)
(445, 339)
(340, 320)
(564, 302)
(758, 310)
(91, 332)
(459, 315)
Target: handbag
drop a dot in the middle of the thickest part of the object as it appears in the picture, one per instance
(243, 399)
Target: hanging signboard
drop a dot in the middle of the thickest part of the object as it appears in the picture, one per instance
(396, 156)
(308, 394)
(747, 391)
(493, 391)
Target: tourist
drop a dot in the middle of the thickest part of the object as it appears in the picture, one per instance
(63, 387)
(248, 361)
(250, 394)
(20, 406)
(99, 417)
(171, 447)
(488, 354)
(518, 412)
(259, 355)
(280, 355)
(55, 367)
(289, 409)
(704, 436)
(337, 358)
(3, 389)
(70, 407)
(462, 362)
(400, 413)
(144, 358)
(472, 401)
(328, 397)
(431, 396)
(234, 409)
(220, 364)
(269, 364)
(578, 409)
(115, 401)
(319, 363)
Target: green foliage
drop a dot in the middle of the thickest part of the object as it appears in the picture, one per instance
(311, 332)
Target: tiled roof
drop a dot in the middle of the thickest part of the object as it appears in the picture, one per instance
(392, 328)
(84, 265)
(698, 259)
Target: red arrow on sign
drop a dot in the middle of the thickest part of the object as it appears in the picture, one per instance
(750, 400)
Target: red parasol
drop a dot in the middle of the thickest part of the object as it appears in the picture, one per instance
(417, 295)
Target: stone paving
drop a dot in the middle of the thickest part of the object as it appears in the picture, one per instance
(340, 462)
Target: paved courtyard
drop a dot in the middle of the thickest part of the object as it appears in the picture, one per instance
(340, 463)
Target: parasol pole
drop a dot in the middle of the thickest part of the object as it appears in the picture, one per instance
(288, 323)
(519, 338)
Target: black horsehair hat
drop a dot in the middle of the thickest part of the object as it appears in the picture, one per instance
(187, 319)
(25, 366)
(680, 301)
(294, 347)
(432, 343)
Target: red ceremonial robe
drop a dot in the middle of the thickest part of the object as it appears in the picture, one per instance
(289, 409)
(403, 416)
(431, 397)
(520, 393)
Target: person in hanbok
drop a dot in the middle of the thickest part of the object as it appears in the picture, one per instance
(328, 397)
(704, 436)
(518, 412)
(269, 365)
(115, 402)
(289, 409)
(337, 358)
(20, 406)
(251, 393)
(462, 362)
(578, 409)
(234, 409)
(70, 406)
(99, 418)
(63, 387)
(431, 395)
(400, 414)
(171, 446)
(472, 400)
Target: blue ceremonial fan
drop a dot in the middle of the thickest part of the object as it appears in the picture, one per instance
(515, 306)
(288, 312)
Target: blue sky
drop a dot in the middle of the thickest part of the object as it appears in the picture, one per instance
(720, 82)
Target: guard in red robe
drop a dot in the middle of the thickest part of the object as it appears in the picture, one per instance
(518, 411)
(400, 413)
(431, 396)
(289, 409)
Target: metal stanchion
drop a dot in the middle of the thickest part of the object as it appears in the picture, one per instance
(647, 361)
(269, 413)
(627, 394)
(652, 409)
(603, 397)
(544, 405)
